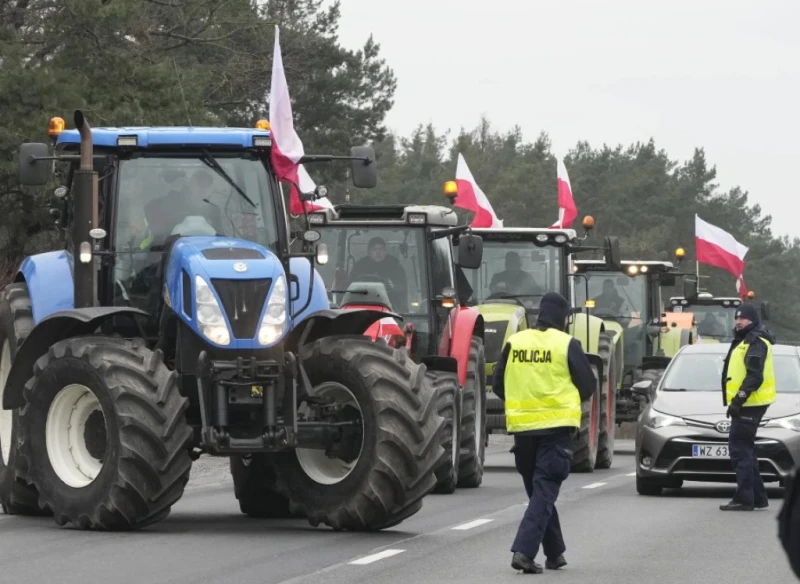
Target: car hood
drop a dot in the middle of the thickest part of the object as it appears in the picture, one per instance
(707, 405)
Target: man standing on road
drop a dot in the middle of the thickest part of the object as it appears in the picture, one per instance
(748, 382)
(543, 375)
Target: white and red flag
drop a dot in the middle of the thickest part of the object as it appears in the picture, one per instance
(567, 211)
(471, 197)
(287, 149)
(716, 247)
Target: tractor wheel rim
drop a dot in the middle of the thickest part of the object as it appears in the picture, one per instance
(314, 462)
(76, 435)
(6, 416)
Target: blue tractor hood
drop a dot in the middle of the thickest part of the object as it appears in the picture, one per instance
(242, 276)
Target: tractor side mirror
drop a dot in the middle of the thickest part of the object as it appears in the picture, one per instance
(667, 280)
(470, 251)
(690, 289)
(364, 172)
(765, 310)
(34, 164)
(643, 388)
(613, 254)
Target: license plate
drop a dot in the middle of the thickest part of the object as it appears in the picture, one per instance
(710, 451)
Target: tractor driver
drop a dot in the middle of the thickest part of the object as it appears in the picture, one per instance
(387, 267)
(609, 299)
(513, 280)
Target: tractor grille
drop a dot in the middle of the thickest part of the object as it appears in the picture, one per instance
(243, 301)
(493, 335)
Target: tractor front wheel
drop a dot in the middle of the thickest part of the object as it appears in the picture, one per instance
(254, 487)
(16, 322)
(380, 479)
(448, 402)
(107, 444)
(608, 408)
(473, 421)
(587, 440)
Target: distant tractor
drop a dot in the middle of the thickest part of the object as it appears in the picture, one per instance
(424, 288)
(629, 302)
(714, 314)
(175, 323)
(542, 260)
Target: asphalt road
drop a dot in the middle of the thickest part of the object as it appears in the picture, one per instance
(612, 534)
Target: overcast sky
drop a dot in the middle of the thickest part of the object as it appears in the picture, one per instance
(721, 74)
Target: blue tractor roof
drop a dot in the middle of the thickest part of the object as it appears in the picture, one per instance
(168, 136)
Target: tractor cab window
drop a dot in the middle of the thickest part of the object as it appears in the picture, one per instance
(159, 197)
(712, 320)
(517, 272)
(622, 299)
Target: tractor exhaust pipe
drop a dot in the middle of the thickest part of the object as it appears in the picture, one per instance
(85, 219)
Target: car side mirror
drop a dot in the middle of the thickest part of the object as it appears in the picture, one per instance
(470, 251)
(643, 388)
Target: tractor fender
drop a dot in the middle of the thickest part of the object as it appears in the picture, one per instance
(40, 272)
(439, 363)
(334, 321)
(597, 361)
(466, 322)
(50, 330)
(577, 328)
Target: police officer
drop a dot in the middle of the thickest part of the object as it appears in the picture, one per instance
(543, 376)
(748, 381)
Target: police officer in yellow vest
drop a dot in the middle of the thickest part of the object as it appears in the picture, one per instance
(543, 375)
(748, 382)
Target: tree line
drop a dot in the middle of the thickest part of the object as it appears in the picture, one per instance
(208, 62)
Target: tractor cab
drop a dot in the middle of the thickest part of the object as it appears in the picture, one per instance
(714, 315)
(629, 302)
(397, 258)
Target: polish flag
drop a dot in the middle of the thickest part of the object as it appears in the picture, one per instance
(716, 247)
(287, 149)
(567, 211)
(471, 197)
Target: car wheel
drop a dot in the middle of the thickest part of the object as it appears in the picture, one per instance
(648, 487)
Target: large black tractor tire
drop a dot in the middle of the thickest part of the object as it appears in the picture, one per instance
(473, 419)
(608, 407)
(16, 322)
(129, 463)
(401, 447)
(586, 442)
(448, 404)
(254, 487)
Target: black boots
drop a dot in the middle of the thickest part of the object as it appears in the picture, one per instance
(736, 506)
(522, 562)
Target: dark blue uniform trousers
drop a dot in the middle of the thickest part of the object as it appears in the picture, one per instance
(544, 461)
(741, 445)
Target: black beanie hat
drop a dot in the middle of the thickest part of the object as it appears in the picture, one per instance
(749, 312)
(553, 310)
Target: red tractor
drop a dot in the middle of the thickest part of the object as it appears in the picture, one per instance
(400, 259)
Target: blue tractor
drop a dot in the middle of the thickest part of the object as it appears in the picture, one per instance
(176, 322)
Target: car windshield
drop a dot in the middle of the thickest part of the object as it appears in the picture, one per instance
(620, 298)
(703, 372)
(515, 270)
(376, 264)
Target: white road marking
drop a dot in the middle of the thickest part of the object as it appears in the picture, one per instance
(594, 485)
(471, 524)
(632, 474)
(375, 557)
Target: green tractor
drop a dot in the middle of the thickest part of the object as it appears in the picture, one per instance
(629, 302)
(714, 314)
(544, 258)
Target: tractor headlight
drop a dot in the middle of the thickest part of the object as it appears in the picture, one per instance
(210, 319)
(274, 320)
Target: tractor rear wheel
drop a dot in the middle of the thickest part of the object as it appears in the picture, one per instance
(473, 420)
(254, 487)
(608, 407)
(586, 443)
(448, 404)
(381, 480)
(16, 322)
(107, 443)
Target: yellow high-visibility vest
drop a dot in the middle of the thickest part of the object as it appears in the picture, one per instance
(737, 371)
(538, 386)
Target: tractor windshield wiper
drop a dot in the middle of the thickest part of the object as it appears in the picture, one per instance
(211, 162)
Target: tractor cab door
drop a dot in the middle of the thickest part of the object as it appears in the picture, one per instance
(442, 283)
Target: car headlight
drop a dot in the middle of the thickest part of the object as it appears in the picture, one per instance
(789, 422)
(210, 319)
(659, 420)
(274, 320)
